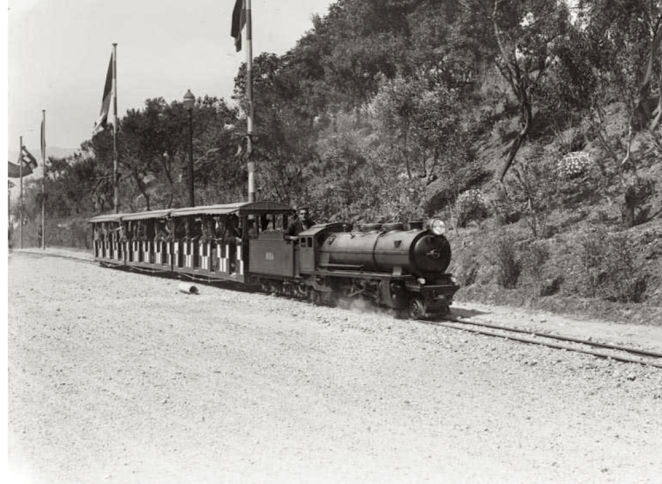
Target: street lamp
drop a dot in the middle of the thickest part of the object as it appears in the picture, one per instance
(189, 102)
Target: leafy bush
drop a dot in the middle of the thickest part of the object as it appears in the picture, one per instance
(508, 267)
(470, 205)
(609, 268)
(532, 259)
(573, 165)
(534, 189)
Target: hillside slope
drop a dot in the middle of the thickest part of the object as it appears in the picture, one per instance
(563, 243)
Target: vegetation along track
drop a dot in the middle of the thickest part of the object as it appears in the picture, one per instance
(601, 350)
(578, 345)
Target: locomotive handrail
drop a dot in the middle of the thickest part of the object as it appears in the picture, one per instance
(342, 266)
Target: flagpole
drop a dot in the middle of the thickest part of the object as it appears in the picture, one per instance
(116, 198)
(249, 98)
(43, 179)
(20, 193)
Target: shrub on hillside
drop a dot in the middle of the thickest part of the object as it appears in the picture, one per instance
(534, 189)
(532, 258)
(508, 267)
(470, 205)
(609, 269)
(543, 282)
(573, 165)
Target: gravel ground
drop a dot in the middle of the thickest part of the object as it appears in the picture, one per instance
(117, 377)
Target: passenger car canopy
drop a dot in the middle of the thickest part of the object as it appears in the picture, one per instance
(239, 209)
(111, 217)
(147, 215)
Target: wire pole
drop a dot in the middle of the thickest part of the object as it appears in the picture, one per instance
(43, 179)
(249, 98)
(191, 189)
(20, 193)
(116, 195)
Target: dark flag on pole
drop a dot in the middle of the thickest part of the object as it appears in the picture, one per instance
(28, 159)
(29, 164)
(43, 141)
(238, 22)
(108, 93)
(16, 172)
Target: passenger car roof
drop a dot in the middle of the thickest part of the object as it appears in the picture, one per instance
(239, 208)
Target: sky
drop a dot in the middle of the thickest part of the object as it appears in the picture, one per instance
(58, 53)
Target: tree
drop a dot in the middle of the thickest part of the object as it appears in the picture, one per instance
(73, 186)
(525, 32)
(286, 131)
(153, 150)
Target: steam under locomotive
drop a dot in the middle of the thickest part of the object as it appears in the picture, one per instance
(392, 265)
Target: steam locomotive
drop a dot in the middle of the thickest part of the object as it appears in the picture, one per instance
(390, 265)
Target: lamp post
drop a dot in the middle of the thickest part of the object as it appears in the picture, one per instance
(189, 102)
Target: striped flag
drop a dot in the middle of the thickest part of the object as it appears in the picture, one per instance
(238, 22)
(106, 100)
(28, 159)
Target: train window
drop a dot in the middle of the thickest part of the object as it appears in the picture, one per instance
(271, 222)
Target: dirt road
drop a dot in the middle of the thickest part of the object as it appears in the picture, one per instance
(118, 377)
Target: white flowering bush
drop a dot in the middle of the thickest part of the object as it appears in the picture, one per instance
(470, 205)
(574, 164)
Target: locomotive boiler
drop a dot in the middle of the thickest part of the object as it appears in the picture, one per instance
(389, 249)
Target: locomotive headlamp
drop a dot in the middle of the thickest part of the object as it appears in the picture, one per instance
(437, 226)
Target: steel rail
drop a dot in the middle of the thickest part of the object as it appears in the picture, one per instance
(636, 351)
(591, 344)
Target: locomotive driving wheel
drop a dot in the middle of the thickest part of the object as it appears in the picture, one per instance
(416, 308)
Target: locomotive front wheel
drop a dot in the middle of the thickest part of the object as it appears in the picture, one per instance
(416, 308)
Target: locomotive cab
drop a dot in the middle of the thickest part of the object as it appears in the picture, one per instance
(310, 244)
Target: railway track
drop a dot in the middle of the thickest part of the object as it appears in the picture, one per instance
(73, 256)
(529, 336)
(578, 345)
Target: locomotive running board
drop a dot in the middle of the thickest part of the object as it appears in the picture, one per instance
(365, 275)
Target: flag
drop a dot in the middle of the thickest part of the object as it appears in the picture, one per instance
(43, 140)
(108, 94)
(238, 22)
(28, 159)
(16, 172)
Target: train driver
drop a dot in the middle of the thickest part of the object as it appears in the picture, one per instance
(298, 225)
